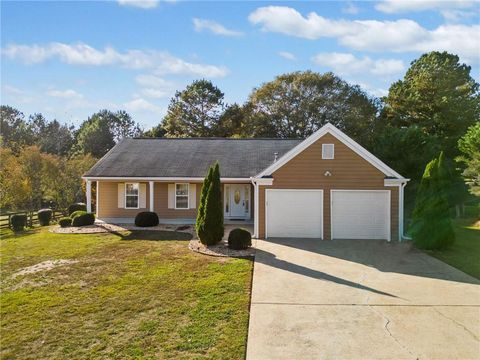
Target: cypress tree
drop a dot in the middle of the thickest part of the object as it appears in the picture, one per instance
(210, 228)
(200, 223)
(432, 228)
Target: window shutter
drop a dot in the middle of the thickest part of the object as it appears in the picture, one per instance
(192, 196)
(171, 196)
(121, 195)
(142, 204)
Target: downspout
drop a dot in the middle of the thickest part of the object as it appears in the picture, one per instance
(402, 209)
(255, 206)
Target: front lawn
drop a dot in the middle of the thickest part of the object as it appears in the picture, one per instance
(128, 296)
(465, 252)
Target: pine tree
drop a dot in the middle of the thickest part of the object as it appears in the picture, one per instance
(432, 227)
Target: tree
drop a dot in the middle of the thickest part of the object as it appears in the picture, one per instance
(438, 95)
(469, 146)
(231, 122)
(94, 137)
(431, 225)
(200, 222)
(52, 137)
(297, 104)
(195, 111)
(209, 226)
(155, 132)
(101, 131)
(14, 130)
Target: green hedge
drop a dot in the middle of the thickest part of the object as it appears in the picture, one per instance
(76, 207)
(65, 222)
(239, 239)
(44, 216)
(83, 219)
(18, 222)
(146, 219)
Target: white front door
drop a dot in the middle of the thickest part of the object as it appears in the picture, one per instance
(237, 202)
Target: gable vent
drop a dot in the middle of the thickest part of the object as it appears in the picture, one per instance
(328, 151)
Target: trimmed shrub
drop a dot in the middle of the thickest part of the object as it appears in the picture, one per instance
(239, 239)
(76, 207)
(146, 219)
(65, 222)
(431, 225)
(209, 224)
(77, 213)
(44, 216)
(83, 219)
(18, 222)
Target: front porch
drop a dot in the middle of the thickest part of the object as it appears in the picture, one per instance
(175, 202)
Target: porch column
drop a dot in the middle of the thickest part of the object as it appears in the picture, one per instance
(151, 185)
(97, 192)
(89, 196)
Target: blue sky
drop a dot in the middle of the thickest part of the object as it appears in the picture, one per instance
(69, 59)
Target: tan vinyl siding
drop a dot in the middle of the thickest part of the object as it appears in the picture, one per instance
(108, 202)
(348, 169)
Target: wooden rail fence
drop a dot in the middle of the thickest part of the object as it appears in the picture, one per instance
(32, 217)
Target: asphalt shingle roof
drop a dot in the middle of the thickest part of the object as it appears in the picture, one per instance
(162, 157)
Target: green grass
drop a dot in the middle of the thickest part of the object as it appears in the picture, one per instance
(465, 252)
(129, 296)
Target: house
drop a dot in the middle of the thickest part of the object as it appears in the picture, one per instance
(326, 186)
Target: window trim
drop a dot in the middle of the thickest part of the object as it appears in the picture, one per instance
(138, 195)
(333, 152)
(188, 196)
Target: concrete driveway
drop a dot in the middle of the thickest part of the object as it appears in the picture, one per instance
(355, 299)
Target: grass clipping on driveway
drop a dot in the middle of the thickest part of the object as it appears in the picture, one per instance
(128, 296)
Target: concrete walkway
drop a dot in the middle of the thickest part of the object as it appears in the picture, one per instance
(356, 299)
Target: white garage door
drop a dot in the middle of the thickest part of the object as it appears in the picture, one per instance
(360, 214)
(294, 213)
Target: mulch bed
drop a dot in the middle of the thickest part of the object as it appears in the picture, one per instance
(221, 249)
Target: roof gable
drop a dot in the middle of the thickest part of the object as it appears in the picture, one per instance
(342, 137)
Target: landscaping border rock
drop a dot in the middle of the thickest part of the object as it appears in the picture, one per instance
(221, 249)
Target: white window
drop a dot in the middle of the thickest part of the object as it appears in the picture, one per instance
(181, 196)
(328, 151)
(131, 195)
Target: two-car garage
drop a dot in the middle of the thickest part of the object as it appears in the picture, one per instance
(354, 214)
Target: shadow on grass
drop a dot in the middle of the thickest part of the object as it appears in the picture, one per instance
(151, 235)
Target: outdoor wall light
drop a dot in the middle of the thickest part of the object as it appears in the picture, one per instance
(327, 173)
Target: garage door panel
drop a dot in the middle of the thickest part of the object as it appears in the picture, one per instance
(360, 214)
(295, 213)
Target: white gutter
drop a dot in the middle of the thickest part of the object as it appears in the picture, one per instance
(402, 209)
(255, 204)
(124, 178)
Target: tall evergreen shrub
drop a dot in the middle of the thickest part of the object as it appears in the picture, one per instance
(431, 225)
(209, 224)
(200, 223)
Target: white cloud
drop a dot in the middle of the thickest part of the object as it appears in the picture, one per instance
(140, 105)
(403, 6)
(65, 94)
(345, 64)
(153, 81)
(85, 55)
(214, 27)
(287, 55)
(143, 4)
(351, 9)
(371, 35)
